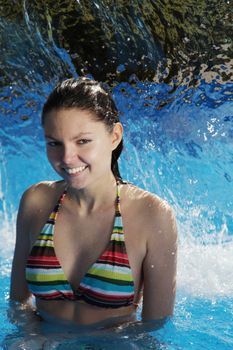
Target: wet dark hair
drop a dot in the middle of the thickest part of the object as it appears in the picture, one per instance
(86, 94)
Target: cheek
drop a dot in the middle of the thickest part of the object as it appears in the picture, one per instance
(98, 156)
(103, 151)
(51, 154)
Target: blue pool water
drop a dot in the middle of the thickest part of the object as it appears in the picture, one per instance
(183, 154)
(178, 144)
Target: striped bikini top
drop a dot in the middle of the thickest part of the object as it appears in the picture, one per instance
(107, 283)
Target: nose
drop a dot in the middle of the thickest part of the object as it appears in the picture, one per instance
(69, 154)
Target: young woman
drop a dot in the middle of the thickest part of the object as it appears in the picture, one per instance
(89, 246)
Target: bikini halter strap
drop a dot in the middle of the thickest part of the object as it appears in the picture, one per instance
(60, 200)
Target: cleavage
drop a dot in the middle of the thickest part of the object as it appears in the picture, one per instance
(78, 245)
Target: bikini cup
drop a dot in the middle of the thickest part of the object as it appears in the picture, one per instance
(107, 283)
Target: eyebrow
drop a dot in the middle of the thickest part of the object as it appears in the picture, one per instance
(73, 138)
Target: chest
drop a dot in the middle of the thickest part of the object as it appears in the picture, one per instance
(79, 242)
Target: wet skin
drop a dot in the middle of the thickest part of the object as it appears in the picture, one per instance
(80, 148)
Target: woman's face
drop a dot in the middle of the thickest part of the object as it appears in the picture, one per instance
(79, 147)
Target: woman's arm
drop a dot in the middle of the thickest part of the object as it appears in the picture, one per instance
(18, 288)
(159, 267)
(35, 206)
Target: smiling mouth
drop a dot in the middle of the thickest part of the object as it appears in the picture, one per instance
(72, 171)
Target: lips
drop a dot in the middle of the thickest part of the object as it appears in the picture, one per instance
(74, 171)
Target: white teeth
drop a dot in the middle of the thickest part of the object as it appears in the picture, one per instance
(75, 170)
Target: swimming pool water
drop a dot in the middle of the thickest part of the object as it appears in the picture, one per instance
(178, 144)
(185, 175)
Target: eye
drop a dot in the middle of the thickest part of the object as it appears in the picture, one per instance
(53, 143)
(83, 141)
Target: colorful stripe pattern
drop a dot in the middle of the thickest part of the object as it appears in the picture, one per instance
(107, 283)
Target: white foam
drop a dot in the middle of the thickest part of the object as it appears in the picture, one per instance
(206, 270)
(7, 234)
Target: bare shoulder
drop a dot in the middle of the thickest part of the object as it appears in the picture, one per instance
(43, 188)
(147, 201)
(152, 212)
(40, 196)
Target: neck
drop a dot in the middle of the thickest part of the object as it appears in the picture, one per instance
(95, 197)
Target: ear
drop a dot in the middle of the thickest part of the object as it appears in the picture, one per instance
(117, 134)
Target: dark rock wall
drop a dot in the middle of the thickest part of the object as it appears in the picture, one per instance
(113, 40)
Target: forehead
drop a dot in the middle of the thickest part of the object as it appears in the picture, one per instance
(72, 120)
(70, 113)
